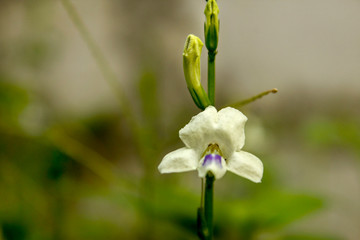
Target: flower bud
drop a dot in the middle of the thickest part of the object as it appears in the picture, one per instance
(211, 26)
(191, 64)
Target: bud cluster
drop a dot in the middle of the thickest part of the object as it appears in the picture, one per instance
(192, 53)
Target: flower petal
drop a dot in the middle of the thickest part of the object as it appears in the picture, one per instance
(180, 160)
(246, 165)
(198, 133)
(231, 123)
(225, 128)
(213, 163)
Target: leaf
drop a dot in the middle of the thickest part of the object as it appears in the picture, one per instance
(267, 211)
(13, 101)
(307, 237)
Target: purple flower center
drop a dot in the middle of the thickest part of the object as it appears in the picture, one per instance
(212, 158)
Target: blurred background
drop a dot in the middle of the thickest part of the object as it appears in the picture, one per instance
(81, 137)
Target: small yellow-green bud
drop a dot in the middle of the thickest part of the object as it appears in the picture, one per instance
(191, 65)
(211, 26)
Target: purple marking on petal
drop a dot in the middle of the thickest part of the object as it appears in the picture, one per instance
(212, 158)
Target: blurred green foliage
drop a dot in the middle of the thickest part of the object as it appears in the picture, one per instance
(13, 101)
(341, 132)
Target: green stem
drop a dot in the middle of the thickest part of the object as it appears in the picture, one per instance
(208, 203)
(211, 77)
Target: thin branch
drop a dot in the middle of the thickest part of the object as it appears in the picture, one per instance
(252, 99)
(102, 63)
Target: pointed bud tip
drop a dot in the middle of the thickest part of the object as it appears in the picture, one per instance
(211, 8)
(193, 46)
(211, 26)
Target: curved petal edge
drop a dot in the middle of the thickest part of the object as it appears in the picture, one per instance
(246, 165)
(198, 133)
(180, 160)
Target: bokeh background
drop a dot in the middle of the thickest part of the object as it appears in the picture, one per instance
(79, 149)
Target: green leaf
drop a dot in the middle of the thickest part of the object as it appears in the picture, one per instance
(307, 237)
(267, 211)
(13, 100)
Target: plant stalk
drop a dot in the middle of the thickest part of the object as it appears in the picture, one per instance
(211, 77)
(208, 203)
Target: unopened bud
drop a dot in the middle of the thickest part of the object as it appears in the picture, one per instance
(191, 64)
(211, 26)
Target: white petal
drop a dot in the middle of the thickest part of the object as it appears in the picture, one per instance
(246, 165)
(198, 133)
(216, 169)
(180, 160)
(230, 128)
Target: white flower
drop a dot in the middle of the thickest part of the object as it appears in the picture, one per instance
(213, 142)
